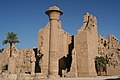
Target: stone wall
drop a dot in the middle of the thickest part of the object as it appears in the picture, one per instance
(64, 40)
(4, 56)
(64, 54)
(103, 45)
(109, 47)
(81, 53)
(86, 46)
(20, 61)
(43, 47)
(113, 70)
(113, 41)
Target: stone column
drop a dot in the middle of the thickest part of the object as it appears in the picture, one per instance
(33, 60)
(54, 14)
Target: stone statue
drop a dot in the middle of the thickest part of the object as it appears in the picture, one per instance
(12, 65)
(33, 60)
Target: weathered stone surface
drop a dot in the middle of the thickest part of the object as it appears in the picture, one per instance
(110, 48)
(60, 42)
(86, 46)
(43, 48)
(13, 76)
(12, 65)
(60, 54)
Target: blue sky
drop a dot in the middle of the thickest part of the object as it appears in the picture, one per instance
(26, 17)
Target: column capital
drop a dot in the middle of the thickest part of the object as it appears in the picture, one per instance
(54, 13)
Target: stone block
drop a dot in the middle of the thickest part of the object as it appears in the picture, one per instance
(13, 76)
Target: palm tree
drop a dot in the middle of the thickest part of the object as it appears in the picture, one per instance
(11, 38)
(100, 64)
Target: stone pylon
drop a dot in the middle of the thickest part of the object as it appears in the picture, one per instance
(54, 13)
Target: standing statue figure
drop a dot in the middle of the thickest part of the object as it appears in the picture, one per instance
(33, 60)
(12, 64)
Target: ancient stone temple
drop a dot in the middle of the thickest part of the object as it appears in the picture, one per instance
(110, 47)
(68, 55)
(58, 47)
(55, 45)
(60, 54)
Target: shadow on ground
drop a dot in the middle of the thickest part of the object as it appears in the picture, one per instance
(113, 79)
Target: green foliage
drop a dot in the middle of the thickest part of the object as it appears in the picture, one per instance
(5, 68)
(100, 64)
(11, 38)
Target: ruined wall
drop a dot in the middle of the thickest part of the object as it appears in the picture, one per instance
(20, 61)
(113, 71)
(43, 47)
(75, 54)
(110, 48)
(113, 51)
(113, 41)
(86, 46)
(81, 53)
(63, 42)
(64, 39)
(4, 56)
(103, 45)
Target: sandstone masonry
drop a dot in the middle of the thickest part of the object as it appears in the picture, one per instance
(60, 54)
